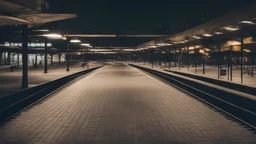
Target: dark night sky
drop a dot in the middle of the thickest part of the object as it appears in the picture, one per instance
(138, 16)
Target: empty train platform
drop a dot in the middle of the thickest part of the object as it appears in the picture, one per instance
(121, 104)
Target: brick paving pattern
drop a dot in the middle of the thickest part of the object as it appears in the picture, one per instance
(122, 105)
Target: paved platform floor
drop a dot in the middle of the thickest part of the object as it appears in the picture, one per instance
(211, 72)
(10, 82)
(122, 105)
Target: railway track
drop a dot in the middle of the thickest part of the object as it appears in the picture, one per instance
(236, 107)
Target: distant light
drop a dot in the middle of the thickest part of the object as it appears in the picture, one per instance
(75, 41)
(196, 37)
(247, 22)
(218, 33)
(53, 36)
(85, 44)
(164, 44)
(207, 35)
(152, 46)
(41, 30)
(64, 38)
(231, 28)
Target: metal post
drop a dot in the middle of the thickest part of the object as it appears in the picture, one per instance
(179, 57)
(45, 56)
(18, 60)
(175, 58)
(4, 58)
(218, 60)
(52, 59)
(1, 54)
(36, 61)
(59, 58)
(87, 58)
(242, 56)
(188, 56)
(203, 64)
(231, 63)
(25, 57)
(9, 58)
(195, 59)
(67, 58)
(169, 58)
(152, 58)
(228, 59)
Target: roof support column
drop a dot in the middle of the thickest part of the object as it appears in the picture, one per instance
(230, 61)
(169, 59)
(175, 57)
(36, 61)
(8, 57)
(25, 57)
(204, 64)
(242, 57)
(52, 59)
(188, 55)
(45, 56)
(1, 54)
(195, 59)
(179, 57)
(59, 58)
(67, 58)
(218, 59)
(152, 58)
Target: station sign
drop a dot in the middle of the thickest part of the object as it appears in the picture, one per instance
(30, 44)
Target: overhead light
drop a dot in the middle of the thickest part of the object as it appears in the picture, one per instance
(231, 28)
(53, 36)
(247, 22)
(152, 46)
(207, 35)
(41, 30)
(75, 40)
(218, 33)
(64, 38)
(85, 44)
(196, 37)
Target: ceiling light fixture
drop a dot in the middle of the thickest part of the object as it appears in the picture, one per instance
(53, 36)
(247, 22)
(231, 28)
(207, 35)
(196, 37)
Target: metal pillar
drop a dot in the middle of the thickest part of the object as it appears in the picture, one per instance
(52, 59)
(218, 60)
(25, 57)
(152, 58)
(67, 58)
(242, 57)
(179, 57)
(203, 64)
(4, 58)
(175, 58)
(8, 58)
(188, 56)
(36, 61)
(18, 60)
(169, 58)
(59, 58)
(1, 53)
(87, 58)
(231, 73)
(45, 56)
(195, 59)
